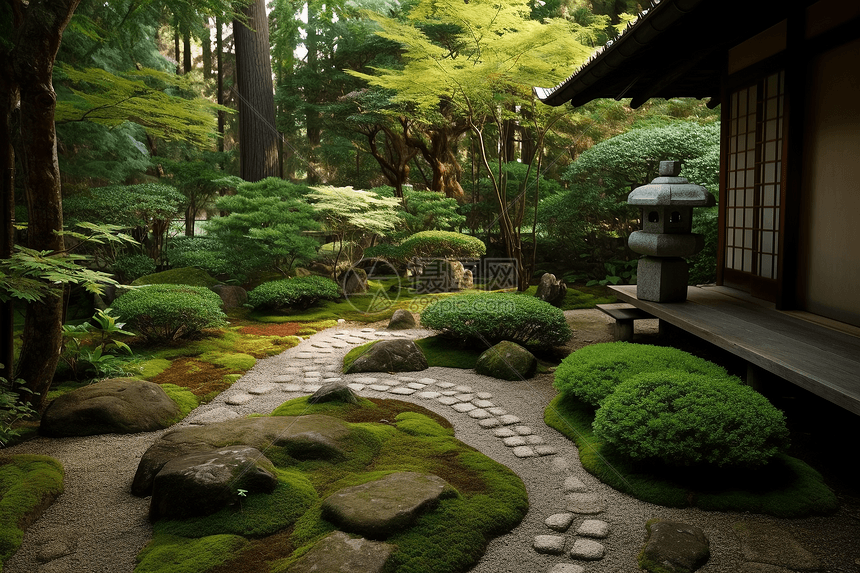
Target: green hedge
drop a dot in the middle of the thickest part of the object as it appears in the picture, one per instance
(164, 312)
(685, 419)
(132, 267)
(493, 317)
(299, 292)
(442, 245)
(592, 373)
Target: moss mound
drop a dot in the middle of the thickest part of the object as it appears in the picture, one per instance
(191, 276)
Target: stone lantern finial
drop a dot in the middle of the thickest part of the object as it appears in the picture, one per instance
(670, 168)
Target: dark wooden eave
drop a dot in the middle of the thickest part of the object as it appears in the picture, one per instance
(675, 49)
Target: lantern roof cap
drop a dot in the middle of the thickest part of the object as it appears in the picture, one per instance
(669, 189)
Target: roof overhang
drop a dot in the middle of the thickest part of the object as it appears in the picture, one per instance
(676, 48)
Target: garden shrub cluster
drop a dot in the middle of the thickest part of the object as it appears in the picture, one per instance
(592, 373)
(442, 245)
(165, 312)
(299, 292)
(212, 255)
(493, 317)
(685, 419)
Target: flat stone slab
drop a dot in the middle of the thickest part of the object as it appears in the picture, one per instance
(381, 334)
(407, 379)
(465, 397)
(593, 528)
(341, 553)
(283, 378)
(292, 387)
(523, 430)
(504, 432)
(524, 452)
(559, 521)
(675, 546)
(489, 423)
(427, 381)
(567, 568)
(444, 385)
(463, 389)
(766, 543)
(313, 374)
(379, 508)
(509, 420)
(549, 544)
(332, 379)
(239, 399)
(587, 550)
(514, 441)
(463, 407)
(585, 503)
(261, 389)
(402, 390)
(451, 393)
(484, 396)
(533, 440)
(545, 450)
(416, 386)
(215, 415)
(339, 344)
(355, 387)
(429, 395)
(573, 484)
(479, 414)
(497, 411)
(366, 380)
(305, 355)
(379, 387)
(448, 400)
(483, 403)
(311, 387)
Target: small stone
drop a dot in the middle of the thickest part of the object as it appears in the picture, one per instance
(367, 330)
(587, 550)
(479, 414)
(489, 423)
(291, 387)
(573, 484)
(415, 386)
(262, 389)
(567, 568)
(523, 430)
(550, 544)
(338, 344)
(426, 381)
(463, 389)
(283, 378)
(429, 395)
(356, 387)
(509, 420)
(319, 344)
(514, 441)
(321, 361)
(312, 387)
(444, 385)
(381, 334)
(239, 399)
(215, 415)
(585, 503)
(448, 392)
(365, 380)
(559, 521)
(448, 400)
(313, 374)
(533, 440)
(465, 397)
(483, 403)
(333, 379)
(484, 396)
(324, 351)
(524, 452)
(464, 407)
(305, 355)
(593, 528)
(379, 387)
(407, 379)
(545, 450)
(402, 391)
(497, 411)
(504, 433)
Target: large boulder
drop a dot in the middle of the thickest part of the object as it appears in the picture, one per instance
(401, 320)
(382, 507)
(507, 360)
(231, 296)
(301, 437)
(340, 553)
(204, 482)
(353, 281)
(551, 289)
(114, 406)
(337, 391)
(389, 356)
(442, 275)
(673, 546)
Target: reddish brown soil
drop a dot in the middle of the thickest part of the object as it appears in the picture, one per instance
(201, 378)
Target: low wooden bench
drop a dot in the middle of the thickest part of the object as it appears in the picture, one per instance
(624, 314)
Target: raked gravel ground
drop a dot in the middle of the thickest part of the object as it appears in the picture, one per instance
(97, 526)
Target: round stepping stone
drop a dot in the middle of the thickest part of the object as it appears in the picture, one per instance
(587, 550)
(523, 430)
(282, 379)
(489, 423)
(399, 334)
(483, 404)
(479, 414)
(319, 344)
(381, 334)
(322, 361)
(503, 433)
(585, 503)
(465, 397)
(498, 411)
(365, 380)
(313, 374)
(534, 440)
(559, 521)
(339, 344)
(407, 379)
(344, 332)
(402, 390)
(312, 387)
(593, 528)
(219, 414)
(514, 441)
(448, 400)
(324, 351)
(448, 392)
(354, 340)
(332, 379)
(567, 568)
(239, 399)
(304, 355)
(463, 389)
(261, 389)
(545, 450)
(524, 452)
(379, 387)
(292, 387)
(484, 396)
(426, 380)
(416, 386)
(549, 544)
(356, 387)
(444, 385)
(367, 330)
(429, 395)
(573, 484)
(509, 420)
(463, 407)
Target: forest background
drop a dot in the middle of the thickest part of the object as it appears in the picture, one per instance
(133, 129)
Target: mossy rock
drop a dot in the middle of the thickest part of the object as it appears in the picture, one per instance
(184, 276)
(507, 361)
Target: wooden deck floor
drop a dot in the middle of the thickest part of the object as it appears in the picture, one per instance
(817, 355)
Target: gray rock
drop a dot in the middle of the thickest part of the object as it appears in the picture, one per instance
(353, 281)
(573, 484)
(559, 521)
(231, 296)
(204, 482)
(442, 275)
(115, 406)
(302, 437)
(765, 543)
(336, 391)
(585, 503)
(390, 356)
(60, 545)
(340, 553)
(401, 320)
(379, 508)
(593, 528)
(674, 546)
(507, 361)
(587, 550)
(551, 544)
(551, 289)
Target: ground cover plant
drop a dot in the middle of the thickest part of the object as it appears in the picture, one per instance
(269, 532)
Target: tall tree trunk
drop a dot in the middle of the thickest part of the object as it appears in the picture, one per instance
(8, 101)
(219, 57)
(177, 53)
(206, 44)
(186, 51)
(37, 37)
(258, 137)
(312, 116)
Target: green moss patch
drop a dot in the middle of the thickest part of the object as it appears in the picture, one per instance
(786, 487)
(149, 369)
(385, 436)
(447, 353)
(355, 354)
(229, 360)
(579, 297)
(184, 398)
(191, 276)
(28, 485)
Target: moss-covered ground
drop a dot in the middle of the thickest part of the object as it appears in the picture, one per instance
(267, 533)
(786, 487)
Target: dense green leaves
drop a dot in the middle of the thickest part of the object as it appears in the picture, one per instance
(164, 312)
(299, 292)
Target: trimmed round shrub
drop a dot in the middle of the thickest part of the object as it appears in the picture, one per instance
(187, 276)
(299, 292)
(165, 312)
(493, 317)
(687, 419)
(442, 245)
(593, 372)
(131, 267)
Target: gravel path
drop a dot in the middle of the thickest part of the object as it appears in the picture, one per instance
(98, 526)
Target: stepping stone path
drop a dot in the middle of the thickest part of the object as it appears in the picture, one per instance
(573, 534)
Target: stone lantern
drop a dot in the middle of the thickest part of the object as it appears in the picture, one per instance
(666, 236)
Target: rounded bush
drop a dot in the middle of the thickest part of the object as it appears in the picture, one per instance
(165, 312)
(593, 372)
(442, 245)
(687, 419)
(299, 292)
(493, 317)
(131, 267)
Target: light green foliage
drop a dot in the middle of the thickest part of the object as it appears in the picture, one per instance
(87, 347)
(423, 211)
(26, 483)
(173, 554)
(592, 373)
(266, 224)
(299, 292)
(683, 419)
(442, 245)
(12, 410)
(211, 255)
(179, 276)
(164, 312)
(493, 317)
